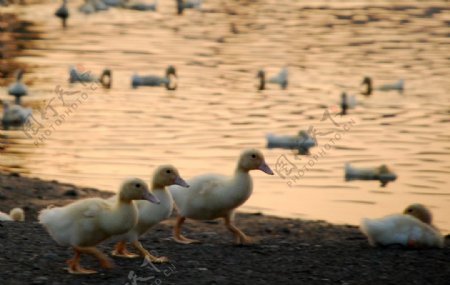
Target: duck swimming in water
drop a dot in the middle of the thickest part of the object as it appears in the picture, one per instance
(18, 89)
(151, 80)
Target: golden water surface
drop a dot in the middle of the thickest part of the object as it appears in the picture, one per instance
(328, 46)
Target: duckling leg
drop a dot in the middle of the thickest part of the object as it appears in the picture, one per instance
(177, 236)
(148, 255)
(240, 237)
(74, 265)
(120, 250)
(104, 261)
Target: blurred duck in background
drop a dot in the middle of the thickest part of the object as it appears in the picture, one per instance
(15, 215)
(302, 142)
(382, 173)
(115, 3)
(78, 76)
(281, 79)
(63, 13)
(18, 89)
(369, 87)
(413, 229)
(139, 6)
(92, 6)
(188, 4)
(14, 116)
(169, 80)
(347, 102)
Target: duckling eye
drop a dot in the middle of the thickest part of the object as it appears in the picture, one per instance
(168, 171)
(253, 155)
(138, 185)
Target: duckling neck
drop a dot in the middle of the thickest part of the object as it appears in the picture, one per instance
(242, 188)
(121, 218)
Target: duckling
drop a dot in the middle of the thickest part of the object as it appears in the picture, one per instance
(188, 4)
(213, 196)
(152, 80)
(303, 142)
(18, 89)
(63, 13)
(151, 214)
(368, 84)
(413, 229)
(142, 6)
(85, 223)
(381, 173)
(281, 78)
(14, 116)
(77, 76)
(16, 214)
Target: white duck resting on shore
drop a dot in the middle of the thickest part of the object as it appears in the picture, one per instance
(151, 214)
(16, 215)
(18, 89)
(14, 116)
(412, 229)
(85, 223)
(213, 196)
(77, 76)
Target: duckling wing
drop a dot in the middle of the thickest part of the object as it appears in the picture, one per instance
(204, 195)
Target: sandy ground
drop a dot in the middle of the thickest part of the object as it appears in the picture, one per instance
(287, 251)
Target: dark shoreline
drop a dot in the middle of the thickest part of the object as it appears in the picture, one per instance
(287, 251)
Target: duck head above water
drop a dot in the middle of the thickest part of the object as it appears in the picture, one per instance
(262, 79)
(171, 75)
(367, 82)
(106, 78)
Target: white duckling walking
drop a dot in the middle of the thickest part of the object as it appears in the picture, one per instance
(16, 215)
(18, 89)
(77, 76)
(14, 116)
(413, 229)
(169, 80)
(85, 223)
(213, 196)
(63, 13)
(151, 214)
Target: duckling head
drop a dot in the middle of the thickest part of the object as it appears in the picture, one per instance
(136, 189)
(17, 215)
(367, 81)
(252, 159)
(166, 175)
(420, 212)
(106, 78)
(262, 79)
